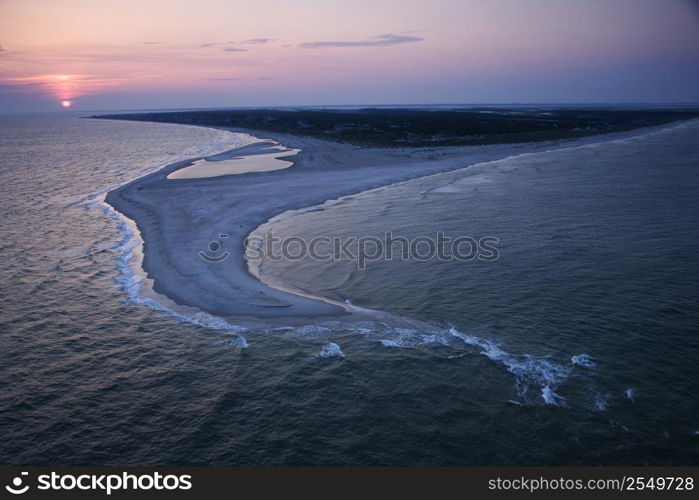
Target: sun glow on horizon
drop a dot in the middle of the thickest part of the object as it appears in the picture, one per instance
(66, 103)
(208, 53)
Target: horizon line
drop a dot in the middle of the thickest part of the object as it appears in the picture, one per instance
(368, 105)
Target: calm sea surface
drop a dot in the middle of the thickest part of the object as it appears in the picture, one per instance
(578, 345)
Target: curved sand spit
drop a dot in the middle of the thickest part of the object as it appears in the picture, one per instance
(177, 218)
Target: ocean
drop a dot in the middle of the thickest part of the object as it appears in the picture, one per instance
(578, 345)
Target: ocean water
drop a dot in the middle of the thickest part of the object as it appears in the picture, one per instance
(578, 345)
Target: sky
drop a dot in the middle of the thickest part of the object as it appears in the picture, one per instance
(149, 54)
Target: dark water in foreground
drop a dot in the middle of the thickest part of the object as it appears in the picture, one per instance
(598, 256)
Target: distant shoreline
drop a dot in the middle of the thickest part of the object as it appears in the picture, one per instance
(178, 218)
(427, 128)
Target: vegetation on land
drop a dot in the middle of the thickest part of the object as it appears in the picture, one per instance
(396, 127)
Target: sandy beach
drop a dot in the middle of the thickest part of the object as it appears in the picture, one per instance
(178, 218)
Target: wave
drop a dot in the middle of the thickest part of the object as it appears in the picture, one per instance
(331, 350)
(551, 398)
(600, 402)
(527, 368)
(584, 360)
(389, 343)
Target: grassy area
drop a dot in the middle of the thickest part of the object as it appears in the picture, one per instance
(426, 127)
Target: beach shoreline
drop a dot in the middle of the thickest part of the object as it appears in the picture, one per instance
(178, 218)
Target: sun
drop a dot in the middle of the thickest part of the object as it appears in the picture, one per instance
(66, 104)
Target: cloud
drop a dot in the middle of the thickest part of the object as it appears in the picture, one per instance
(1, 49)
(234, 79)
(20, 87)
(214, 44)
(258, 40)
(60, 86)
(152, 43)
(377, 41)
(222, 44)
(139, 59)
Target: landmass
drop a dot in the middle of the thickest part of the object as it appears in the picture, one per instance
(381, 127)
(178, 218)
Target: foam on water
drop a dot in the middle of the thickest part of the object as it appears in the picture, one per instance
(331, 350)
(527, 369)
(551, 398)
(360, 309)
(407, 338)
(311, 330)
(396, 332)
(238, 341)
(584, 360)
(389, 343)
(600, 402)
(360, 330)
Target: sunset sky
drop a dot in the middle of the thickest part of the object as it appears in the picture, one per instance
(104, 54)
